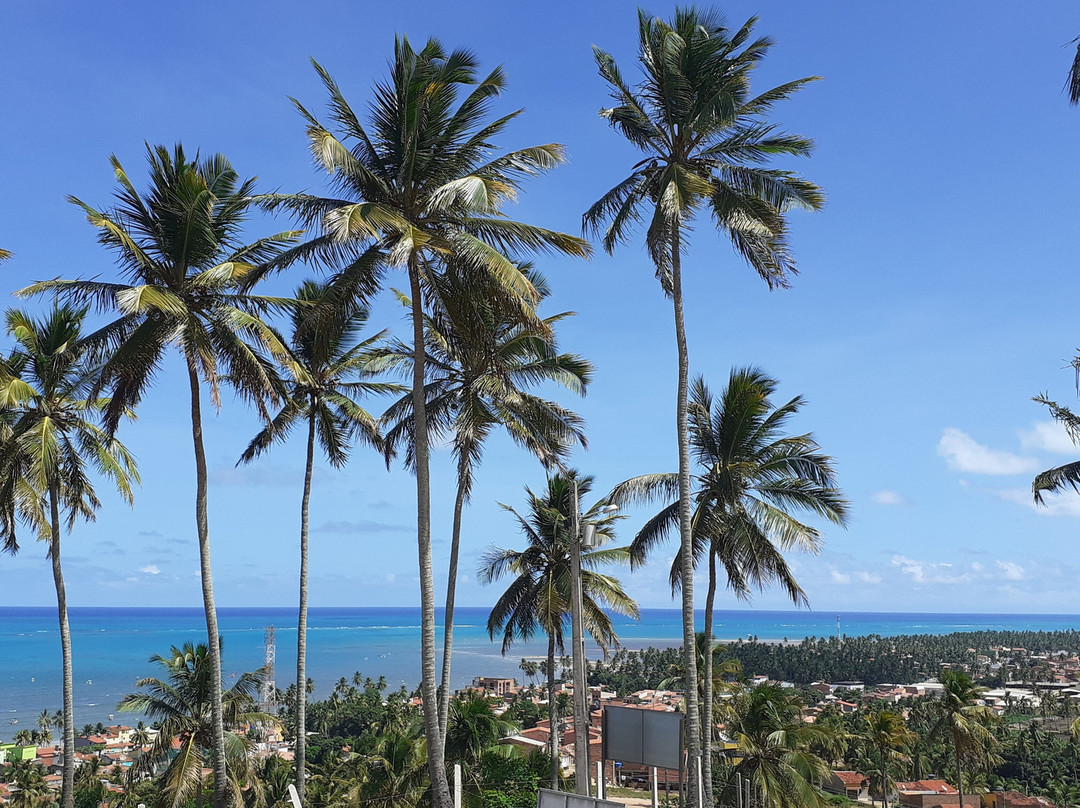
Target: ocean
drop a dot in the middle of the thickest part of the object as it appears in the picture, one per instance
(111, 645)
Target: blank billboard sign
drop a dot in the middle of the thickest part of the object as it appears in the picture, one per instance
(646, 737)
(560, 799)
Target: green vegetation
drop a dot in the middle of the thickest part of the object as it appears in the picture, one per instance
(417, 183)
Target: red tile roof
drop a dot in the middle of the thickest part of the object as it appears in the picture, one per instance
(853, 779)
(917, 786)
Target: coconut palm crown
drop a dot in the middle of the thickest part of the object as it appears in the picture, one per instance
(181, 703)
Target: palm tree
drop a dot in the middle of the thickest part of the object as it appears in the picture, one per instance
(1060, 477)
(55, 445)
(752, 480)
(45, 721)
(29, 779)
(774, 747)
(417, 189)
(481, 362)
(538, 597)
(326, 376)
(23, 737)
(182, 704)
(705, 139)
(474, 728)
(141, 736)
(964, 721)
(180, 249)
(886, 732)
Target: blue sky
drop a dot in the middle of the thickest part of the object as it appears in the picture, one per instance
(936, 294)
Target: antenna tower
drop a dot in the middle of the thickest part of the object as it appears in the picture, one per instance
(267, 699)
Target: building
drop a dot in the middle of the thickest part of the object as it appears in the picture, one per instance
(853, 785)
(932, 793)
(494, 685)
(1014, 799)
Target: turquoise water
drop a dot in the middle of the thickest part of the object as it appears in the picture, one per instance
(111, 645)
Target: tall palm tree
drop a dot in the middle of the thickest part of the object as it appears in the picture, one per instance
(181, 703)
(417, 189)
(186, 269)
(706, 140)
(326, 374)
(774, 747)
(888, 735)
(55, 445)
(538, 597)
(965, 722)
(752, 481)
(482, 360)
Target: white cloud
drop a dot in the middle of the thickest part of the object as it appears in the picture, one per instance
(929, 572)
(861, 576)
(1049, 436)
(887, 496)
(1064, 504)
(1011, 570)
(963, 453)
(150, 569)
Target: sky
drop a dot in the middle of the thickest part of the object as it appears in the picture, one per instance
(936, 293)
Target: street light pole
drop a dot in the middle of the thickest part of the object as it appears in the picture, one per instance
(577, 638)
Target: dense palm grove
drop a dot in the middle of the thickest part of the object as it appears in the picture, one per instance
(416, 184)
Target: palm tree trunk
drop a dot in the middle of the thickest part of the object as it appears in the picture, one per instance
(707, 690)
(885, 783)
(213, 636)
(959, 774)
(440, 788)
(553, 719)
(68, 784)
(693, 718)
(301, 624)
(451, 587)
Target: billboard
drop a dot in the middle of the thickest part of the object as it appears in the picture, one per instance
(560, 799)
(646, 737)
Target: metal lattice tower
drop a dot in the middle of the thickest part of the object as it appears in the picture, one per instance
(267, 698)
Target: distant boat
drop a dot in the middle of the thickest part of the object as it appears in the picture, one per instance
(14, 721)
(89, 681)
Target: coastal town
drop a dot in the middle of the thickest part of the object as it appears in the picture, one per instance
(116, 756)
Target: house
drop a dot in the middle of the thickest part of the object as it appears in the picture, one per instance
(1014, 799)
(931, 793)
(853, 785)
(494, 685)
